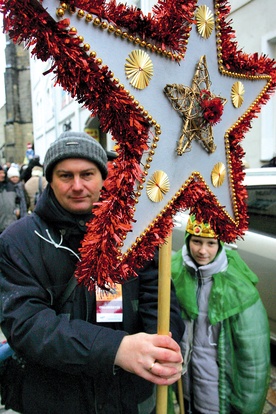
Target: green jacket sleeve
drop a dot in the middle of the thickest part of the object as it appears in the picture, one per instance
(250, 359)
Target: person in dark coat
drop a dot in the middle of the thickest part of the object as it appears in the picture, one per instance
(26, 172)
(75, 365)
(13, 199)
(15, 184)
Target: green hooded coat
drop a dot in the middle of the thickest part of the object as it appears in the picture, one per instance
(243, 346)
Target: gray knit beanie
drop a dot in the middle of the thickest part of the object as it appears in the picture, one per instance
(75, 145)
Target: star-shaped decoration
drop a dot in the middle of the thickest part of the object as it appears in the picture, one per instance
(199, 109)
(90, 44)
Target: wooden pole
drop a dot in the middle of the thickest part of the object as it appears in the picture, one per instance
(164, 302)
(180, 396)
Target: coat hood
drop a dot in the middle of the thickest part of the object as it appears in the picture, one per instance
(233, 289)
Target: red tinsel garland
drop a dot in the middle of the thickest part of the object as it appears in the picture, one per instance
(93, 86)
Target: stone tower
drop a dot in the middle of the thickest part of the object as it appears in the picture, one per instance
(18, 126)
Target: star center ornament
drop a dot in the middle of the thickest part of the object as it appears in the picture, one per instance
(157, 83)
(199, 109)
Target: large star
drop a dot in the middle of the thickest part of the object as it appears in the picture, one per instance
(118, 63)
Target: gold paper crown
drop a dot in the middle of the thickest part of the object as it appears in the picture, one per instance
(199, 228)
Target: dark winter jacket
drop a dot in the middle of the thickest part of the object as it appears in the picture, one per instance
(9, 202)
(69, 356)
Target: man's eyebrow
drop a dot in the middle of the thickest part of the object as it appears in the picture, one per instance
(63, 170)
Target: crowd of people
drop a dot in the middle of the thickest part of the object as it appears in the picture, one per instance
(18, 188)
(219, 336)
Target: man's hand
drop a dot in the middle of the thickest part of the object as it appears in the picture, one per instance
(156, 358)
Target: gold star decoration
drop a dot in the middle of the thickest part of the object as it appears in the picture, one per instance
(189, 103)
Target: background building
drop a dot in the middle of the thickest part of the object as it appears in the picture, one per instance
(54, 111)
(18, 128)
(254, 23)
(2, 134)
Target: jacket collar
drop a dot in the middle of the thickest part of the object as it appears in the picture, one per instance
(217, 265)
(233, 288)
(49, 210)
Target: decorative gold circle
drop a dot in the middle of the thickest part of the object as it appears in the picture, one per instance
(157, 186)
(81, 13)
(204, 21)
(237, 94)
(96, 21)
(88, 17)
(218, 174)
(139, 69)
(73, 30)
(86, 47)
(60, 12)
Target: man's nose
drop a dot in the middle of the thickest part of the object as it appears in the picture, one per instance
(77, 183)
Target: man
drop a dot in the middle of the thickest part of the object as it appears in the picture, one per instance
(73, 363)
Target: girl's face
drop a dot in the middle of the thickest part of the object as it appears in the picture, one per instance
(203, 249)
(14, 179)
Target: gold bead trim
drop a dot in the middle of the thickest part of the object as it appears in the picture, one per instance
(195, 176)
(225, 72)
(96, 21)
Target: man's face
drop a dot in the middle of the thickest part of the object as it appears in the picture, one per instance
(203, 249)
(2, 176)
(76, 183)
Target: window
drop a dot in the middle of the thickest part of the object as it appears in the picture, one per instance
(262, 209)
